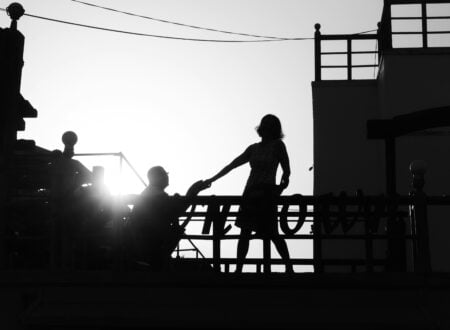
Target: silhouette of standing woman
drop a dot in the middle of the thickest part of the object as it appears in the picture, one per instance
(258, 212)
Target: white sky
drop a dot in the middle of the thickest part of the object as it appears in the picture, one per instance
(191, 107)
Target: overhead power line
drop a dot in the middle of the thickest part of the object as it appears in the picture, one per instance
(176, 23)
(153, 35)
(196, 26)
(167, 37)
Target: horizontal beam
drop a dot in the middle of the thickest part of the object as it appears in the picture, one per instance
(416, 2)
(298, 261)
(416, 18)
(428, 32)
(345, 53)
(346, 66)
(406, 124)
(348, 37)
(299, 237)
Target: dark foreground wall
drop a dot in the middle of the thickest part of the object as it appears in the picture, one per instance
(144, 300)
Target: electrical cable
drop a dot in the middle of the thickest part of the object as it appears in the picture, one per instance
(194, 26)
(165, 36)
(175, 23)
(146, 34)
(154, 35)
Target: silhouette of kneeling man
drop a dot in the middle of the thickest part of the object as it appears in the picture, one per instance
(154, 221)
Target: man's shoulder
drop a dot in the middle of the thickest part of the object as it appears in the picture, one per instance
(150, 192)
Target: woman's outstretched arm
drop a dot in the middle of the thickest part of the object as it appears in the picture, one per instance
(238, 161)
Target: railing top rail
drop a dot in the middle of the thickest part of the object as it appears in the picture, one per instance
(412, 2)
(310, 200)
(348, 36)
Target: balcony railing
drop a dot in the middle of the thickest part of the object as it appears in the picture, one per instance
(417, 11)
(341, 61)
(382, 230)
(346, 52)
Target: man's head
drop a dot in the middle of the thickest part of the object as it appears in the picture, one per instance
(158, 177)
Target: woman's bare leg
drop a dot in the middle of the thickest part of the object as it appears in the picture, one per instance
(282, 249)
(242, 248)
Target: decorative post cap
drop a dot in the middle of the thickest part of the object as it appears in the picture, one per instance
(317, 27)
(418, 167)
(15, 11)
(69, 139)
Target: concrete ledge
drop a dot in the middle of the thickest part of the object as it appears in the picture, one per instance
(104, 300)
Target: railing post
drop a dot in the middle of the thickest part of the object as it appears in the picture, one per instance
(214, 211)
(396, 242)
(386, 24)
(318, 53)
(266, 255)
(349, 59)
(419, 217)
(424, 25)
(316, 229)
(118, 228)
(379, 40)
(364, 207)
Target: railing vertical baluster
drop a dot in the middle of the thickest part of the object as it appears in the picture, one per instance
(389, 25)
(424, 25)
(318, 53)
(386, 23)
(217, 233)
(369, 246)
(317, 241)
(266, 255)
(349, 59)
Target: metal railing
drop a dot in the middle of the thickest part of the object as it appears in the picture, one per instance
(398, 222)
(387, 31)
(348, 52)
(386, 38)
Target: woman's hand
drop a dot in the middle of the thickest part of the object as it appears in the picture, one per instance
(208, 182)
(198, 186)
(284, 182)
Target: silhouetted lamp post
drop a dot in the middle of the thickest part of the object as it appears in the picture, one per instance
(11, 63)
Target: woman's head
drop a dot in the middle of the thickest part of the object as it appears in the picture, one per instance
(270, 128)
